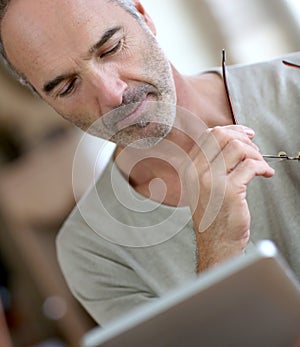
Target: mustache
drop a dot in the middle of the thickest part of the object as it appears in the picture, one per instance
(137, 94)
(130, 99)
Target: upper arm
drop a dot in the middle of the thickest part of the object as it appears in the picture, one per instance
(99, 278)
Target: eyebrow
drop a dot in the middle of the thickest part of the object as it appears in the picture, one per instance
(50, 85)
(106, 36)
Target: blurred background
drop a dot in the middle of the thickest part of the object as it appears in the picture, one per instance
(37, 149)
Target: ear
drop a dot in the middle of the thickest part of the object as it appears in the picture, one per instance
(145, 16)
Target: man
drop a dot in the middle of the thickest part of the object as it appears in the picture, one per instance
(172, 203)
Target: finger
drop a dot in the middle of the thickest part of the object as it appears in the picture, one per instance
(246, 170)
(220, 133)
(216, 139)
(235, 152)
(211, 152)
(240, 128)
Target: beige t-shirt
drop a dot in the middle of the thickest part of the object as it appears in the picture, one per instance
(118, 250)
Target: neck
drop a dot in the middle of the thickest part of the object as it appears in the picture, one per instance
(201, 104)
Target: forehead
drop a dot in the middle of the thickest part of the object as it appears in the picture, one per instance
(41, 33)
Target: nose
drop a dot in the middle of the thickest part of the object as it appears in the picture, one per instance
(108, 88)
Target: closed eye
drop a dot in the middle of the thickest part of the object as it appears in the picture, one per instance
(68, 88)
(71, 84)
(113, 50)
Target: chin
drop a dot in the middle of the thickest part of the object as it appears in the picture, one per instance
(144, 137)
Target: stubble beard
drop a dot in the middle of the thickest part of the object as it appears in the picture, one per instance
(159, 105)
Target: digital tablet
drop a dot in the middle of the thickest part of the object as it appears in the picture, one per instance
(251, 300)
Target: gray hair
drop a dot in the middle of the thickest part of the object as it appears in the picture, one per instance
(128, 5)
(3, 8)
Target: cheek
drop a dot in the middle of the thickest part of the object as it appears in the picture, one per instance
(78, 113)
(81, 121)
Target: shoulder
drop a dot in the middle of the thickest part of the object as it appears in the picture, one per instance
(266, 70)
(77, 239)
(264, 86)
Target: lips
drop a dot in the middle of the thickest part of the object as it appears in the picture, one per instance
(133, 117)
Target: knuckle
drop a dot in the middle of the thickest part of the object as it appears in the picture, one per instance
(236, 145)
(218, 132)
(251, 164)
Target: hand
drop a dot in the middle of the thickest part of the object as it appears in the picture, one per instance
(215, 180)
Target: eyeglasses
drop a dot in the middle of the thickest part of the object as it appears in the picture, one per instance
(281, 155)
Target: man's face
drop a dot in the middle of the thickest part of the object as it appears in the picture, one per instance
(95, 64)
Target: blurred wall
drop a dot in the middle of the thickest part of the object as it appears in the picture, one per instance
(193, 32)
(36, 191)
